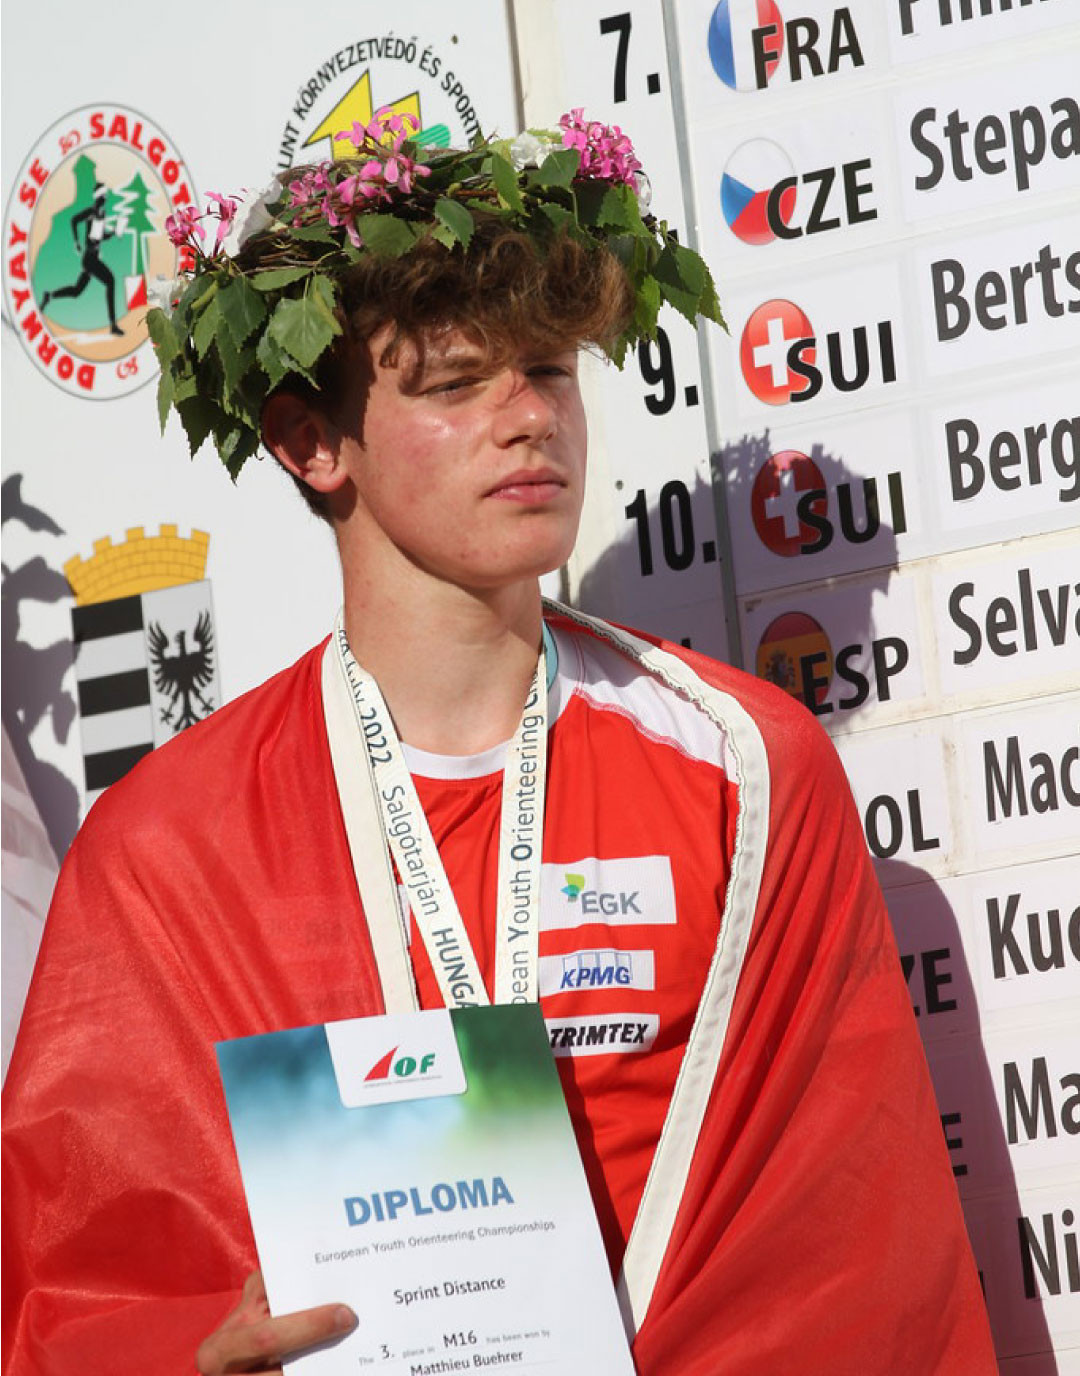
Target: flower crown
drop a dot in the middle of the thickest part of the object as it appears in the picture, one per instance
(240, 321)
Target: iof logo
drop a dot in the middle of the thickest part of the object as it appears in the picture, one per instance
(401, 1067)
(84, 233)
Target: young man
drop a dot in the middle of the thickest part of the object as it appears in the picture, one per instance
(751, 1103)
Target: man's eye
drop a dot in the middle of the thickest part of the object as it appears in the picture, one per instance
(449, 387)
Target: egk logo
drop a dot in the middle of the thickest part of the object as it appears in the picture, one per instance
(763, 199)
(748, 41)
(401, 1068)
(795, 512)
(607, 903)
(778, 355)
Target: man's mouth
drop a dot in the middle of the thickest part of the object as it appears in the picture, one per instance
(532, 487)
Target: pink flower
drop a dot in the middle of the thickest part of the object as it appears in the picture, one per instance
(356, 135)
(225, 208)
(182, 224)
(605, 150)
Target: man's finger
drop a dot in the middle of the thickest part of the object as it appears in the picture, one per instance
(260, 1346)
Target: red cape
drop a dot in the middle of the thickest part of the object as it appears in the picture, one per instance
(210, 895)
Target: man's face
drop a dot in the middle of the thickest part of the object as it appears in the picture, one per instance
(469, 470)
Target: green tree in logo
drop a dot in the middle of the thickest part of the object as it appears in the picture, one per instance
(132, 214)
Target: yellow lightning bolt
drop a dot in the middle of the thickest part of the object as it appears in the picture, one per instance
(356, 104)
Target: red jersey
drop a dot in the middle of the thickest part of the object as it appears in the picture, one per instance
(639, 824)
(799, 1214)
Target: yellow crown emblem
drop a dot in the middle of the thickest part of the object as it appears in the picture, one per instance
(139, 564)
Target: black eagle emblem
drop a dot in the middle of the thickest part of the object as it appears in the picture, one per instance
(182, 675)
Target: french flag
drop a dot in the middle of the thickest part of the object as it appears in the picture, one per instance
(731, 49)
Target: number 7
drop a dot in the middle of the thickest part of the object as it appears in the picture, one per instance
(620, 24)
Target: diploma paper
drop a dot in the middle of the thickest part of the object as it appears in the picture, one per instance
(422, 1169)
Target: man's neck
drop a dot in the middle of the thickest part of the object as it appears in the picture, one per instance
(454, 667)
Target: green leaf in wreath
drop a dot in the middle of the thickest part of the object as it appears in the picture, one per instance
(242, 308)
(240, 449)
(386, 234)
(606, 206)
(166, 391)
(272, 359)
(303, 328)
(317, 233)
(443, 234)
(558, 217)
(322, 287)
(506, 182)
(184, 387)
(164, 338)
(647, 307)
(559, 168)
(199, 415)
(681, 275)
(456, 218)
(234, 361)
(209, 324)
(276, 278)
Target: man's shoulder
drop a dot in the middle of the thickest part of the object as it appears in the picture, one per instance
(201, 768)
(783, 722)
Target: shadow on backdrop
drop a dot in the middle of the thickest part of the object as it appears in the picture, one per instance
(936, 971)
(33, 675)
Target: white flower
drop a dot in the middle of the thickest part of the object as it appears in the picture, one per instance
(251, 216)
(530, 150)
(643, 191)
(164, 292)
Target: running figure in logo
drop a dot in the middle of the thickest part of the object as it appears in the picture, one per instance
(97, 231)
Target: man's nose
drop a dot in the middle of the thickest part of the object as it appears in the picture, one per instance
(526, 413)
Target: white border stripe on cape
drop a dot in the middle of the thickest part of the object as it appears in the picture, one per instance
(678, 1139)
(697, 1074)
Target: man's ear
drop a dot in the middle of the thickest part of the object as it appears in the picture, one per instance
(303, 441)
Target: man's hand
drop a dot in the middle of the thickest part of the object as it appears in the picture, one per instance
(250, 1340)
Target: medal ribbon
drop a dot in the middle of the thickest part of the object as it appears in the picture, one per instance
(416, 856)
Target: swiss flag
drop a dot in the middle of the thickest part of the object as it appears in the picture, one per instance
(774, 501)
(767, 335)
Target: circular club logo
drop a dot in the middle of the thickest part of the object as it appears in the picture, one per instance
(731, 44)
(763, 351)
(84, 233)
(775, 501)
(749, 177)
(784, 643)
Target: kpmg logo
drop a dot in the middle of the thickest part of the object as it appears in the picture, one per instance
(597, 970)
(594, 969)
